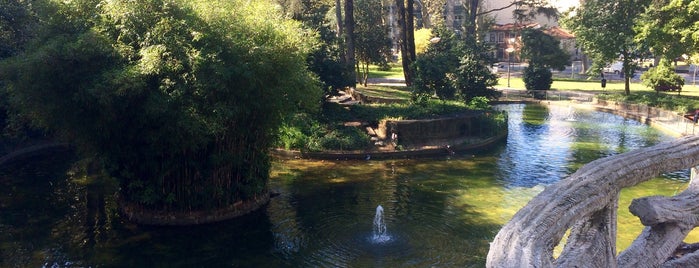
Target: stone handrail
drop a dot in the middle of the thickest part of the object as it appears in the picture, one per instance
(586, 204)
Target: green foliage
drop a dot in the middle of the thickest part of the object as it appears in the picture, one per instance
(663, 77)
(344, 138)
(17, 23)
(453, 68)
(680, 104)
(434, 69)
(537, 78)
(372, 43)
(420, 99)
(181, 98)
(327, 133)
(670, 28)
(422, 40)
(304, 132)
(604, 29)
(325, 59)
(543, 50)
(474, 79)
(491, 123)
(479, 103)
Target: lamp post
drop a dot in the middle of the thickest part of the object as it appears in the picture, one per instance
(510, 49)
(509, 63)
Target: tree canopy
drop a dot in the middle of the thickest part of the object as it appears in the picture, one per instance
(604, 29)
(670, 28)
(179, 99)
(373, 46)
(543, 50)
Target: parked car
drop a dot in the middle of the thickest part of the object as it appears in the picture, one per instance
(615, 67)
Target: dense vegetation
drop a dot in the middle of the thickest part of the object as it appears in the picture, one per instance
(679, 104)
(327, 131)
(454, 67)
(180, 100)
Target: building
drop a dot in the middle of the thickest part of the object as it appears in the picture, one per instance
(504, 33)
(504, 36)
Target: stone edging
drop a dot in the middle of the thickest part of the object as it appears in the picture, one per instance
(145, 216)
(32, 151)
(358, 155)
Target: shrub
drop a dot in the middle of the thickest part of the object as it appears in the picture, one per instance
(662, 78)
(479, 103)
(474, 79)
(344, 138)
(537, 78)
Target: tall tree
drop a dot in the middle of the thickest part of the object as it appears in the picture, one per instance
(454, 68)
(544, 53)
(669, 28)
(427, 9)
(327, 59)
(17, 21)
(406, 33)
(604, 29)
(18, 25)
(350, 57)
(543, 50)
(410, 29)
(373, 43)
(338, 16)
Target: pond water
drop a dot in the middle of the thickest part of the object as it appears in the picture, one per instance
(438, 212)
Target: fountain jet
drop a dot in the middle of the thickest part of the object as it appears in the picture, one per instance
(380, 234)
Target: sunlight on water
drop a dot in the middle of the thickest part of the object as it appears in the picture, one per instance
(439, 212)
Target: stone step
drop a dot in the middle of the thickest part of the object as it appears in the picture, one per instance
(371, 132)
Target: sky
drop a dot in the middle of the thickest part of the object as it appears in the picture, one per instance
(563, 5)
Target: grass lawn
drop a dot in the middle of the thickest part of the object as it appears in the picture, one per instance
(396, 71)
(613, 86)
(388, 92)
(579, 85)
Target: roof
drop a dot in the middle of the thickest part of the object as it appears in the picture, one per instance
(554, 31)
(559, 33)
(513, 26)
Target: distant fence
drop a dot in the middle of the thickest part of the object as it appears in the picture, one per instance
(672, 121)
(551, 95)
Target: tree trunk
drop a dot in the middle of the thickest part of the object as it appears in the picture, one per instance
(584, 203)
(472, 17)
(426, 20)
(406, 57)
(449, 14)
(627, 70)
(338, 16)
(349, 40)
(410, 30)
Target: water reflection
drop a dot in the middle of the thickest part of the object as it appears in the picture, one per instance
(441, 212)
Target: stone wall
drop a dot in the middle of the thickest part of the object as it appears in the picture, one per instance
(412, 132)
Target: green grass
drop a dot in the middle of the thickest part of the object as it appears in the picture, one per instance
(564, 84)
(396, 71)
(387, 92)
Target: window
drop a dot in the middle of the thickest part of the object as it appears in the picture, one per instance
(501, 37)
(493, 38)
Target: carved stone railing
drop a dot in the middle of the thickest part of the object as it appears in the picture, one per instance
(586, 204)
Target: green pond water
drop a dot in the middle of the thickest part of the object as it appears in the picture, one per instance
(438, 212)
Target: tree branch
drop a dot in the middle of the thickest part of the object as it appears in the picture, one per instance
(498, 9)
